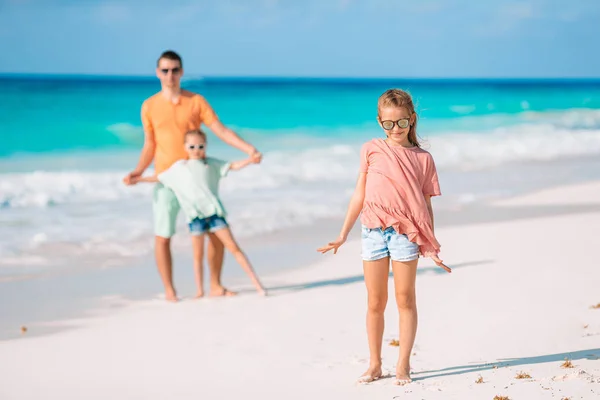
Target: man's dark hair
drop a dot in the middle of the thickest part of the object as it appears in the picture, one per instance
(170, 55)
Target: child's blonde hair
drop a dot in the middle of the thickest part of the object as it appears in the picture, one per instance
(397, 98)
(197, 132)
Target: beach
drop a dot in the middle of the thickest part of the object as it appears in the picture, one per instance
(288, 118)
(82, 312)
(519, 300)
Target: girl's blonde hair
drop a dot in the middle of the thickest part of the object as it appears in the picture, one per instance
(197, 132)
(397, 98)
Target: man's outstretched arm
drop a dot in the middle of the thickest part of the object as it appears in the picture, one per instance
(146, 158)
(231, 138)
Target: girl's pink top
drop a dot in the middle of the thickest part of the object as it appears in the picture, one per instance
(398, 179)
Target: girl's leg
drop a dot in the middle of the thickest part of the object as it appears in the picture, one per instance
(405, 274)
(376, 280)
(215, 252)
(198, 248)
(225, 236)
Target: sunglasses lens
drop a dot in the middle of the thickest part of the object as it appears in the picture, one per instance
(387, 125)
(403, 123)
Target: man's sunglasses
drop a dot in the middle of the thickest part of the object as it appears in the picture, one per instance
(389, 125)
(195, 146)
(175, 70)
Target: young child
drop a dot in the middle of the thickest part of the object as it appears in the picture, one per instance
(195, 182)
(393, 195)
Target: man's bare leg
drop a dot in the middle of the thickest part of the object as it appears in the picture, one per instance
(198, 247)
(162, 253)
(215, 254)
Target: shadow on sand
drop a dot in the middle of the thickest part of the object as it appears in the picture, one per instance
(591, 354)
(360, 278)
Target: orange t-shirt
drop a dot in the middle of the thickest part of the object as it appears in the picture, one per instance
(168, 122)
(398, 179)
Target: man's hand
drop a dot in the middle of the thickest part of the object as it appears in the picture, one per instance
(256, 156)
(132, 178)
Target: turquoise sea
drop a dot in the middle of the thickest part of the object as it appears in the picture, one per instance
(66, 141)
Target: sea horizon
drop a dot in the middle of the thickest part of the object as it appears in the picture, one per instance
(291, 78)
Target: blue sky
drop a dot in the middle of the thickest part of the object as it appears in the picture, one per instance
(346, 38)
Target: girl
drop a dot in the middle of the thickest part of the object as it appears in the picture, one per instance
(393, 195)
(195, 182)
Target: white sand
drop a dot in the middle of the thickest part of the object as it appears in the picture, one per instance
(519, 299)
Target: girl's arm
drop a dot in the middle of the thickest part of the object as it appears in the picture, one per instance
(355, 206)
(237, 165)
(435, 258)
(354, 209)
(152, 178)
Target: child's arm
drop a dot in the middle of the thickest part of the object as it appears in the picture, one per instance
(237, 165)
(355, 206)
(152, 178)
(354, 209)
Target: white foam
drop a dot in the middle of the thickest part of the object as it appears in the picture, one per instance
(284, 170)
(43, 189)
(521, 143)
(570, 119)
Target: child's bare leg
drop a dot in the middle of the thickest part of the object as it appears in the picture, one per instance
(198, 249)
(225, 236)
(376, 280)
(405, 274)
(215, 253)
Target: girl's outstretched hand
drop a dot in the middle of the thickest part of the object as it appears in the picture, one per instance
(439, 263)
(332, 246)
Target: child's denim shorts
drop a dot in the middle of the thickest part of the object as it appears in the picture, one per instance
(199, 226)
(378, 243)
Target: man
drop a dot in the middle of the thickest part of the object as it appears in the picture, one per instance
(166, 117)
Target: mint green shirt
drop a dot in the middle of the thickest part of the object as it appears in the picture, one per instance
(196, 186)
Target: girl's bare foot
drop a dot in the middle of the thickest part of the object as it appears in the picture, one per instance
(262, 292)
(221, 292)
(372, 374)
(402, 375)
(199, 294)
(171, 296)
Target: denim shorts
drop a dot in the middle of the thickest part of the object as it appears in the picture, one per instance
(199, 226)
(378, 243)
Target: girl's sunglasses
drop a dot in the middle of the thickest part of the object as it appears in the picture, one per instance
(175, 70)
(195, 146)
(389, 125)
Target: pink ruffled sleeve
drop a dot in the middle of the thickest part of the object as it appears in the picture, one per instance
(431, 185)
